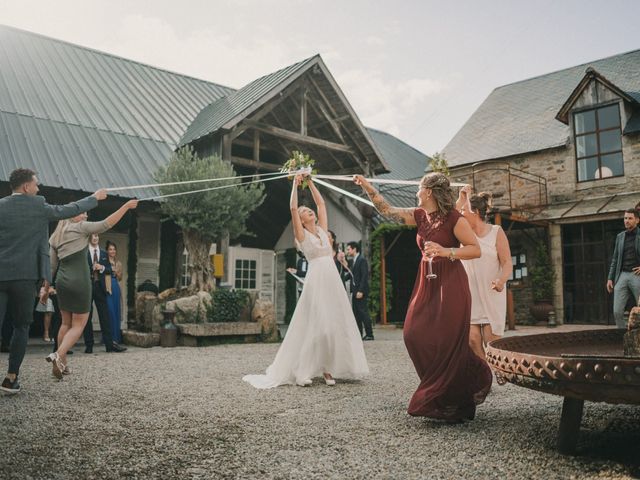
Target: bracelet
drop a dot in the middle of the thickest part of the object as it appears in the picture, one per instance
(452, 254)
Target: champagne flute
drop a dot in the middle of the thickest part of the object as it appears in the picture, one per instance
(430, 275)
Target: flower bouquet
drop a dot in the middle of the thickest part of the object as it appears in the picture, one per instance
(299, 163)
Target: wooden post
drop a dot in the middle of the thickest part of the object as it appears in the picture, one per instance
(511, 314)
(226, 147)
(303, 112)
(256, 146)
(383, 282)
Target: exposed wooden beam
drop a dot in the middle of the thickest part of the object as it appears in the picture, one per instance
(296, 137)
(247, 162)
(327, 103)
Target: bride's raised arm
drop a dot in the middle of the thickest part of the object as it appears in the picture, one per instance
(401, 215)
(322, 209)
(298, 230)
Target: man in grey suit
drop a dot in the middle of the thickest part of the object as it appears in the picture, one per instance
(624, 273)
(24, 230)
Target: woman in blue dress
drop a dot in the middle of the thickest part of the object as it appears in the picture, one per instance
(114, 295)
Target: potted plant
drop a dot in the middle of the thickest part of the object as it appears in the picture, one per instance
(542, 279)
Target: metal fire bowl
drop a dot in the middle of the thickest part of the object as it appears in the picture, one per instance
(586, 365)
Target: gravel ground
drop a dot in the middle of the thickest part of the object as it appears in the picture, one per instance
(185, 413)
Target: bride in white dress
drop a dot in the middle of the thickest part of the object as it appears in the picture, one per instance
(322, 338)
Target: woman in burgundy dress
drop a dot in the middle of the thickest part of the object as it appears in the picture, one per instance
(453, 379)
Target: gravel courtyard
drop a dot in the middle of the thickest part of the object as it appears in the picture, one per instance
(185, 413)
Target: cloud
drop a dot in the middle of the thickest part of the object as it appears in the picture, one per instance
(386, 105)
(206, 53)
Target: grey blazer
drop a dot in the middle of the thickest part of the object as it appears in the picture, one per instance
(618, 251)
(24, 230)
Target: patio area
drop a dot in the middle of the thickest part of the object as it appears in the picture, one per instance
(185, 413)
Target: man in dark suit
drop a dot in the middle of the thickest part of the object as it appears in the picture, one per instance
(360, 290)
(300, 271)
(624, 273)
(24, 228)
(99, 266)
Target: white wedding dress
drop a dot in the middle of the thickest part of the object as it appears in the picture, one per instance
(323, 335)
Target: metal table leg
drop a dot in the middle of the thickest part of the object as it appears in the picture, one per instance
(570, 424)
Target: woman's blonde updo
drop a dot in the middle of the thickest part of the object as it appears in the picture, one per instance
(440, 188)
(481, 203)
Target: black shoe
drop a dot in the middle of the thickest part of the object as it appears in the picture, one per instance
(70, 352)
(368, 337)
(118, 348)
(88, 349)
(9, 387)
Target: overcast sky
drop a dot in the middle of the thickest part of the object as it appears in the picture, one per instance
(417, 69)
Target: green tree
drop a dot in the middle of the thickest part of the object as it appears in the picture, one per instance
(438, 163)
(205, 217)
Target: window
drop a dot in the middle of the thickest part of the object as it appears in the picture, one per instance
(185, 277)
(245, 274)
(598, 139)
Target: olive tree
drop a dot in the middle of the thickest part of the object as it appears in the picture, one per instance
(206, 216)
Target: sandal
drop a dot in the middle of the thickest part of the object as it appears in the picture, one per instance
(57, 367)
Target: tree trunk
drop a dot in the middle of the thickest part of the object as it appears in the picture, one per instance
(200, 266)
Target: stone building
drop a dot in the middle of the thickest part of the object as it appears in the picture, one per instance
(561, 154)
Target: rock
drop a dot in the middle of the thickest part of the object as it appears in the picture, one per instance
(165, 294)
(191, 309)
(634, 319)
(144, 304)
(141, 339)
(264, 313)
(631, 340)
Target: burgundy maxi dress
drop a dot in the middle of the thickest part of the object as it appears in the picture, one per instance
(453, 380)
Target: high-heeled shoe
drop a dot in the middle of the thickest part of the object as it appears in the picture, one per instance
(304, 383)
(330, 381)
(57, 367)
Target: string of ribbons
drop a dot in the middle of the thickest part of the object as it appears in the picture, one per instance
(266, 177)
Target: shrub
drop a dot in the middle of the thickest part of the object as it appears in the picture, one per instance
(226, 305)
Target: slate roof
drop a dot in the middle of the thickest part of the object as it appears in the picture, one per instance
(405, 163)
(520, 117)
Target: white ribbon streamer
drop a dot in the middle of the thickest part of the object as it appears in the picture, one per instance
(343, 192)
(347, 178)
(187, 182)
(217, 188)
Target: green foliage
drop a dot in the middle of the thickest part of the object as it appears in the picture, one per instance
(438, 163)
(375, 301)
(541, 274)
(211, 213)
(207, 215)
(226, 305)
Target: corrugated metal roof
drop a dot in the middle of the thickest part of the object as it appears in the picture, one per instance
(241, 102)
(85, 119)
(65, 106)
(520, 117)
